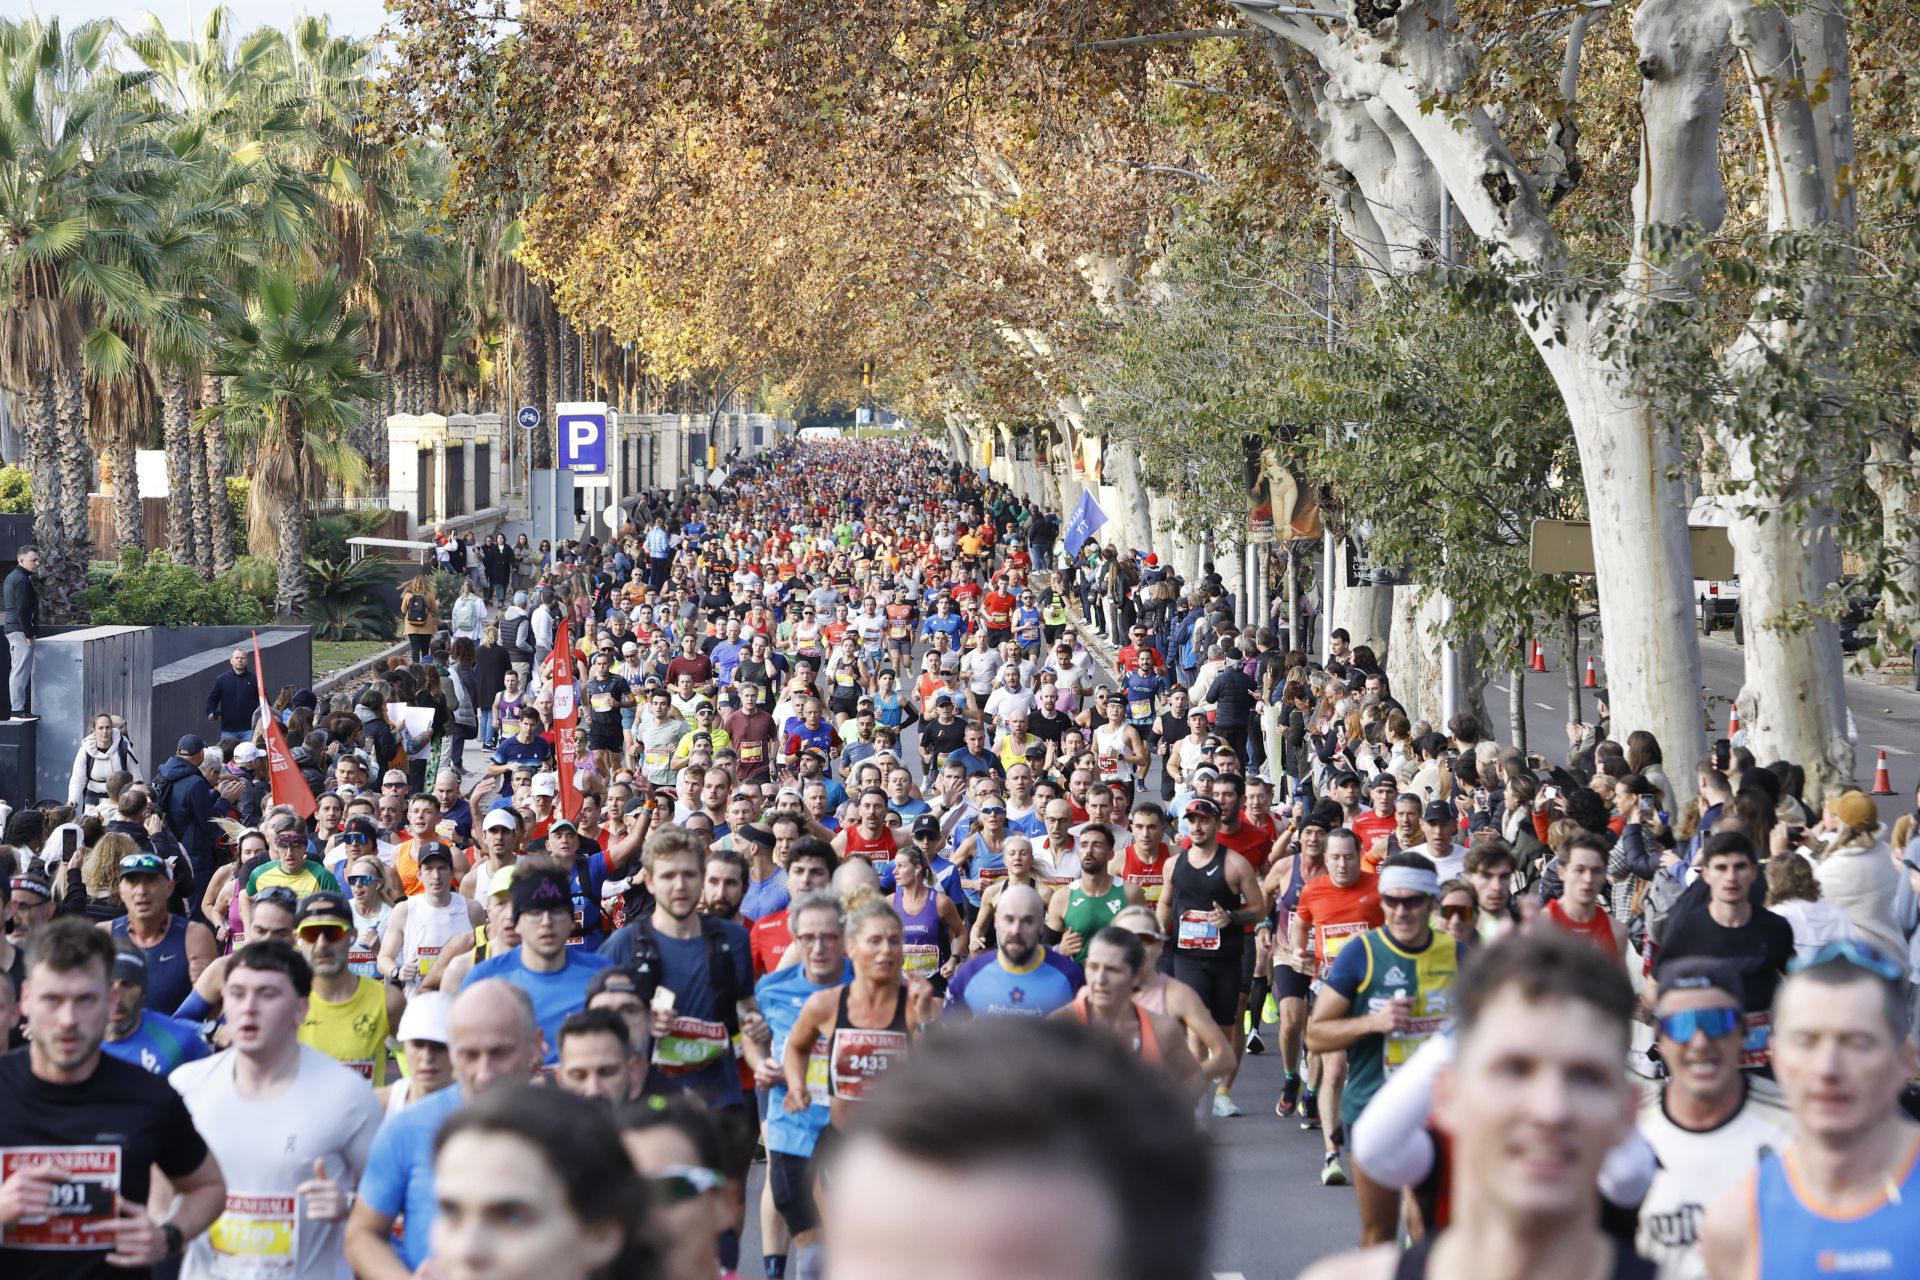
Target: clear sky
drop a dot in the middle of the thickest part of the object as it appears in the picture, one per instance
(350, 17)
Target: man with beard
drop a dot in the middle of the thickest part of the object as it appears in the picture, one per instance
(1085, 907)
(1021, 976)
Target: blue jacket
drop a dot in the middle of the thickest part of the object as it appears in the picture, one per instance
(233, 700)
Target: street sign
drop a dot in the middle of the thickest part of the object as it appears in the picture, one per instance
(583, 438)
(1566, 546)
(528, 417)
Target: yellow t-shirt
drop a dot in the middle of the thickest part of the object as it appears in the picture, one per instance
(353, 1033)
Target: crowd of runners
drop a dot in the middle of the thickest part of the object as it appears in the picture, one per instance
(844, 822)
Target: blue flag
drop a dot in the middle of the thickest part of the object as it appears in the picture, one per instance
(1084, 523)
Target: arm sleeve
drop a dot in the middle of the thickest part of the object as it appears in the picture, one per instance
(1390, 1139)
(194, 1008)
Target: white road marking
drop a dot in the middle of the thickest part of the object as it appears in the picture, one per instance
(1229, 1275)
(1546, 706)
(1896, 751)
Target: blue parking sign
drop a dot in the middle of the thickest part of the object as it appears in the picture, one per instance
(583, 443)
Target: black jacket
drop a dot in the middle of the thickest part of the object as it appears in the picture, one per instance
(234, 700)
(22, 603)
(192, 804)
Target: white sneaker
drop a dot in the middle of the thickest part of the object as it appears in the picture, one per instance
(1224, 1107)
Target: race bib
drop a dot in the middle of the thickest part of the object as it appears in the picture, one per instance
(1198, 932)
(1149, 884)
(897, 631)
(602, 703)
(509, 728)
(657, 757)
(861, 1058)
(1140, 710)
(1335, 936)
(83, 1206)
(1756, 1042)
(817, 1071)
(920, 957)
(844, 679)
(690, 1045)
(257, 1238)
(1431, 1010)
(752, 752)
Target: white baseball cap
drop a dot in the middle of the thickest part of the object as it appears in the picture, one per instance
(425, 1018)
(546, 784)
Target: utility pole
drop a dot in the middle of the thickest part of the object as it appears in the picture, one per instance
(1326, 530)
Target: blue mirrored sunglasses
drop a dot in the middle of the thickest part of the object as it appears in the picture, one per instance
(1717, 1024)
(1857, 954)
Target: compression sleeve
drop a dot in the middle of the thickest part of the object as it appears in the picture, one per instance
(1390, 1139)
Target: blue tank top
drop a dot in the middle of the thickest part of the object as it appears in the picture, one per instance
(922, 934)
(159, 1044)
(1798, 1239)
(168, 979)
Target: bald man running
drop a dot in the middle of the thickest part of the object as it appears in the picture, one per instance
(1021, 977)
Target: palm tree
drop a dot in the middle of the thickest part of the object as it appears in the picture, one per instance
(78, 175)
(296, 384)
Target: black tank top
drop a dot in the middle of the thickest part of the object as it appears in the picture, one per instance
(1627, 1265)
(857, 1057)
(1200, 890)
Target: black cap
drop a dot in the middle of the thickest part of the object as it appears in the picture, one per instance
(323, 904)
(32, 880)
(428, 852)
(1695, 973)
(1438, 811)
(190, 745)
(1343, 777)
(130, 965)
(926, 825)
(616, 978)
(1326, 815)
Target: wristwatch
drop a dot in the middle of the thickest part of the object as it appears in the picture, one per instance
(176, 1242)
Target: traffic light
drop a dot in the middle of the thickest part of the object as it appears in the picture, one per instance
(866, 375)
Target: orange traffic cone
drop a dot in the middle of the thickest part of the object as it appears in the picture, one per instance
(1539, 657)
(1882, 784)
(1589, 682)
(1733, 722)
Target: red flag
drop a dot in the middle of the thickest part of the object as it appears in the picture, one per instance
(283, 775)
(566, 715)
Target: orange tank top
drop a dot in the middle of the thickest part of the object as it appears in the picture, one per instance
(1149, 1040)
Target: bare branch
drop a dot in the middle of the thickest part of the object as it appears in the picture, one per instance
(1167, 37)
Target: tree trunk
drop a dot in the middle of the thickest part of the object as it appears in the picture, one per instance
(75, 461)
(1631, 459)
(1890, 472)
(176, 434)
(129, 528)
(1793, 702)
(1517, 705)
(203, 509)
(38, 431)
(1367, 613)
(219, 519)
(533, 389)
(290, 598)
(1570, 663)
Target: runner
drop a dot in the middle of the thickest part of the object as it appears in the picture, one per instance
(1200, 906)
(934, 939)
(1020, 976)
(1844, 1197)
(1077, 911)
(867, 1024)
(424, 925)
(1532, 1105)
(1402, 975)
(554, 975)
(176, 949)
(291, 1127)
(1116, 962)
(82, 1133)
(348, 1016)
(151, 1041)
(1332, 912)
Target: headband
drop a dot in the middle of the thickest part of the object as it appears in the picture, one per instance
(1409, 880)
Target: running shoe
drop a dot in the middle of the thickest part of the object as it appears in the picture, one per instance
(1309, 1110)
(1224, 1107)
(1331, 1174)
(1289, 1097)
(1254, 1043)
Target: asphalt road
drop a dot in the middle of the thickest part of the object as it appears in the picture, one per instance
(1884, 717)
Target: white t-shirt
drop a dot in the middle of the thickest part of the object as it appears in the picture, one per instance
(1004, 702)
(1694, 1169)
(981, 667)
(266, 1148)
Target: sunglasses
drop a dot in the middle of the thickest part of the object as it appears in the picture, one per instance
(1715, 1024)
(353, 837)
(1857, 954)
(360, 882)
(323, 932)
(1458, 911)
(1417, 902)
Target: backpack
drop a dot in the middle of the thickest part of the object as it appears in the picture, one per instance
(161, 789)
(651, 968)
(416, 608)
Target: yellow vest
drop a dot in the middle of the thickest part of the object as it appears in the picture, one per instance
(354, 1032)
